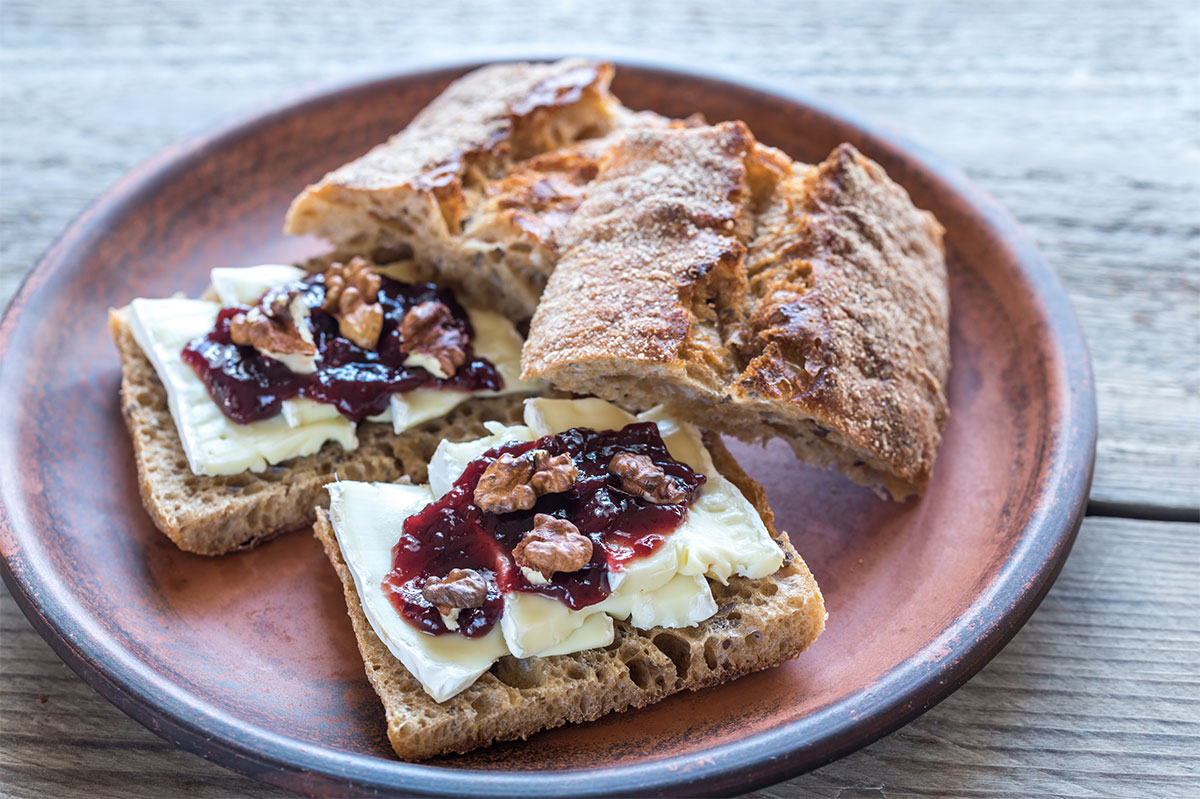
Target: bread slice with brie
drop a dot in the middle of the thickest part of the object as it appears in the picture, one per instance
(725, 594)
(214, 485)
(769, 298)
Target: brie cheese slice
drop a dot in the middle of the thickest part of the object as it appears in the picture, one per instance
(216, 445)
(246, 285)
(366, 520)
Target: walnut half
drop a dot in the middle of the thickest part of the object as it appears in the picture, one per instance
(553, 545)
(514, 482)
(641, 477)
(273, 335)
(432, 340)
(352, 294)
(460, 589)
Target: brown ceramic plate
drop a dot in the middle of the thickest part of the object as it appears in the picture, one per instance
(250, 661)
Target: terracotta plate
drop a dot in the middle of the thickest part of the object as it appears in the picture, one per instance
(250, 660)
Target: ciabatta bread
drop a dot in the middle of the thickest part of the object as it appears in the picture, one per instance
(480, 183)
(758, 297)
(761, 623)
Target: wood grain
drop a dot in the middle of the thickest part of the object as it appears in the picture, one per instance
(1080, 117)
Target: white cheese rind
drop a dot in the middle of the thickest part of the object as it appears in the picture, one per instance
(366, 520)
(246, 285)
(215, 444)
(451, 458)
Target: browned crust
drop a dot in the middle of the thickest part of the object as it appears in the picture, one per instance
(772, 299)
(481, 185)
(851, 319)
(217, 515)
(440, 185)
(760, 624)
(495, 114)
(655, 238)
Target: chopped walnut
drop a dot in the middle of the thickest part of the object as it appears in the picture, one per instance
(352, 294)
(271, 334)
(461, 588)
(641, 477)
(553, 545)
(431, 338)
(357, 275)
(514, 482)
(552, 475)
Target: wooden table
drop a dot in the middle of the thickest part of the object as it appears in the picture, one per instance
(1081, 117)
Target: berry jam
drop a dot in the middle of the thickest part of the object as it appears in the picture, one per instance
(454, 533)
(248, 386)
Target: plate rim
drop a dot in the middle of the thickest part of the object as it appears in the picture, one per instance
(761, 759)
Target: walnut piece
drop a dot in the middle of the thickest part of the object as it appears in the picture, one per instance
(431, 338)
(553, 545)
(514, 482)
(461, 588)
(270, 333)
(641, 477)
(352, 294)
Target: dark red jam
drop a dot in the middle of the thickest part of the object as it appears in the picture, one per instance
(454, 533)
(249, 386)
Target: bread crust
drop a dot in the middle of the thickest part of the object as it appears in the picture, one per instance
(759, 624)
(765, 297)
(499, 113)
(439, 184)
(851, 320)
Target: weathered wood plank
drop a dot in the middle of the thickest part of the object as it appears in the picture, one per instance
(1099, 695)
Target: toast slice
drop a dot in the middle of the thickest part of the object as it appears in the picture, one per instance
(480, 183)
(768, 298)
(760, 623)
(216, 515)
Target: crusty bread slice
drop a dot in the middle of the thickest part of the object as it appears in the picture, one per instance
(215, 515)
(763, 297)
(760, 623)
(465, 184)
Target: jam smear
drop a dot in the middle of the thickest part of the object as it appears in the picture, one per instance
(249, 386)
(454, 533)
